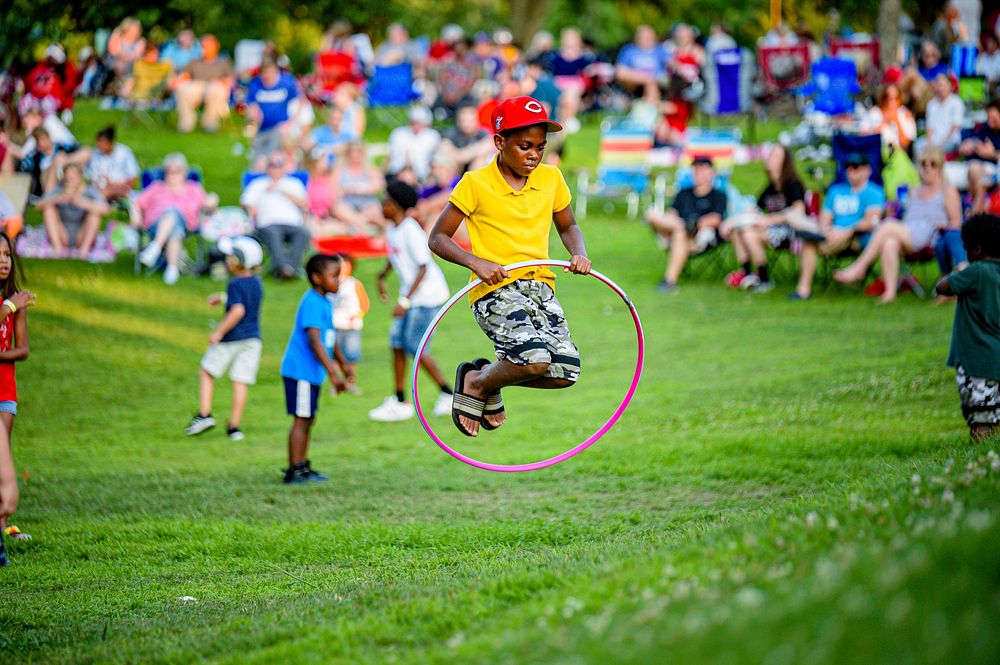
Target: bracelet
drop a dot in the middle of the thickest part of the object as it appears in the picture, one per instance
(403, 302)
(10, 305)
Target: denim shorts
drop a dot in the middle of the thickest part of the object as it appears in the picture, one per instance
(407, 331)
(8, 406)
(350, 344)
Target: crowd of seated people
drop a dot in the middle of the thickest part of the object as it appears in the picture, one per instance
(311, 174)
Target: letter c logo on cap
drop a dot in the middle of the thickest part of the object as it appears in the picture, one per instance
(534, 107)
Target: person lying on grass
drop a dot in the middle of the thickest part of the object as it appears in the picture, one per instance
(510, 205)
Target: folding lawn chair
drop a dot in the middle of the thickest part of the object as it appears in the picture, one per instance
(728, 85)
(833, 85)
(332, 69)
(623, 169)
(146, 178)
(249, 176)
(391, 86)
(866, 55)
(782, 69)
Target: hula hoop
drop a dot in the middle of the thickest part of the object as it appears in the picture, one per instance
(507, 468)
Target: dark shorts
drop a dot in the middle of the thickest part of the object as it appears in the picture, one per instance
(526, 324)
(301, 397)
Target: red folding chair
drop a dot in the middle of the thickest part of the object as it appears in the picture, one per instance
(332, 69)
(867, 55)
(783, 68)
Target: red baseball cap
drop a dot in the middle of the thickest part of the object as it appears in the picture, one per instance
(518, 112)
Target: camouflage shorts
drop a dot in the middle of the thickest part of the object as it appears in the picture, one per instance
(526, 324)
(980, 398)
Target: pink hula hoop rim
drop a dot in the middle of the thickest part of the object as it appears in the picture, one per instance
(589, 441)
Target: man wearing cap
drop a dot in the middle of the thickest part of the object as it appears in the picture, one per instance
(413, 146)
(276, 201)
(509, 207)
(235, 344)
(691, 224)
(850, 211)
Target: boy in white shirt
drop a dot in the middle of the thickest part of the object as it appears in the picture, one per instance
(422, 291)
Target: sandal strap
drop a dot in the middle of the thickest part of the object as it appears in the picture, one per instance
(494, 403)
(467, 405)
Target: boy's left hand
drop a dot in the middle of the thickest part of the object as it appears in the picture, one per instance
(348, 370)
(579, 264)
(215, 337)
(398, 312)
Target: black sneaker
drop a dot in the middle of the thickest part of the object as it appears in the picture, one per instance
(235, 433)
(199, 424)
(297, 473)
(3, 552)
(315, 476)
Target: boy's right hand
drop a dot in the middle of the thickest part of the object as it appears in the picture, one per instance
(215, 299)
(491, 273)
(338, 382)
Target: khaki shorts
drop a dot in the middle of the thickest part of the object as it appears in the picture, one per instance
(241, 357)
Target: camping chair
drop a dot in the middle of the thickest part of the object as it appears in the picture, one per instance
(782, 69)
(391, 86)
(250, 176)
(146, 178)
(866, 54)
(718, 144)
(833, 86)
(623, 169)
(147, 93)
(728, 82)
(332, 69)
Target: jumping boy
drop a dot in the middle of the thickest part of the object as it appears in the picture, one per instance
(510, 205)
(422, 290)
(235, 343)
(975, 336)
(308, 359)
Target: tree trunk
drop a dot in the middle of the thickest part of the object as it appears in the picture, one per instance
(888, 31)
(526, 17)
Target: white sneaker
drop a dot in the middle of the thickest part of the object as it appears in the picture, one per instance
(392, 410)
(149, 256)
(442, 407)
(171, 275)
(749, 282)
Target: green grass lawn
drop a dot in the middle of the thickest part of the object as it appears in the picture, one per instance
(792, 484)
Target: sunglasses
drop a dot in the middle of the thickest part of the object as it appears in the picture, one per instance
(855, 166)
(929, 165)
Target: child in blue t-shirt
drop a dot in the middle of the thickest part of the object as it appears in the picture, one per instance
(975, 336)
(309, 357)
(235, 343)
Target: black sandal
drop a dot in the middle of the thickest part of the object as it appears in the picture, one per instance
(465, 405)
(494, 400)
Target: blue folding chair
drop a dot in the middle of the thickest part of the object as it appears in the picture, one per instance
(146, 178)
(869, 145)
(250, 176)
(834, 84)
(391, 86)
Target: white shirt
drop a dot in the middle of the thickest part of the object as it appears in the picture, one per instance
(988, 65)
(273, 205)
(406, 246)
(413, 150)
(58, 132)
(347, 314)
(944, 121)
(119, 166)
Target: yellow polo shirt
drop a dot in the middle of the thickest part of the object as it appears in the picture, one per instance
(507, 226)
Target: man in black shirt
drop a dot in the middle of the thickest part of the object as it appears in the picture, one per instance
(691, 224)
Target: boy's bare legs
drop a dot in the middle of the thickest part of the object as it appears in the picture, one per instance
(501, 374)
(206, 388)
(807, 269)
(669, 225)
(240, 391)
(9, 493)
(431, 367)
(298, 440)
(399, 368)
(427, 362)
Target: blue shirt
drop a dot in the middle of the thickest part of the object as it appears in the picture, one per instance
(327, 139)
(299, 362)
(246, 291)
(273, 102)
(932, 73)
(649, 61)
(180, 57)
(848, 207)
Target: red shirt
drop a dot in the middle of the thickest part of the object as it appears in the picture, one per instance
(8, 385)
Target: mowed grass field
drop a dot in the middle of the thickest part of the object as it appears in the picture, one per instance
(792, 483)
